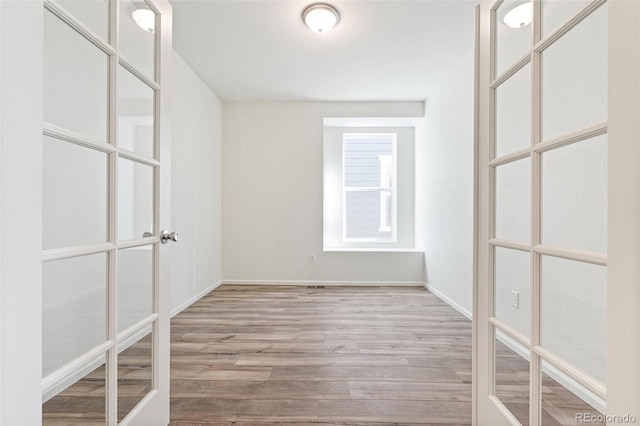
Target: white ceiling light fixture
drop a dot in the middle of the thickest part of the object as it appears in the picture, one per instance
(519, 16)
(320, 17)
(145, 19)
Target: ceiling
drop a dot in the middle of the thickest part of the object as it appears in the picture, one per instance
(247, 50)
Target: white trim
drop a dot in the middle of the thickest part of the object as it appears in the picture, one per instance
(476, 209)
(67, 253)
(184, 305)
(125, 335)
(55, 8)
(126, 64)
(556, 374)
(326, 283)
(373, 121)
(510, 72)
(375, 249)
(68, 381)
(623, 293)
(567, 26)
(511, 158)
(21, 89)
(591, 384)
(67, 375)
(1, 205)
(573, 137)
(57, 132)
(446, 299)
(570, 254)
(138, 158)
(62, 379)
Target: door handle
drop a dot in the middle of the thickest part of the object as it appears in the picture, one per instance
(166, 236)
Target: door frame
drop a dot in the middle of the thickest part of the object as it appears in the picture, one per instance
(21, 91)
(623, 274)
(21, 238)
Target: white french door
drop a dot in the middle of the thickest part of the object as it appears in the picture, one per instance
(553, 257)
(96, 330)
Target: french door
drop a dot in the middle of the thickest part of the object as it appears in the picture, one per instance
(102, 160)
(556, 154)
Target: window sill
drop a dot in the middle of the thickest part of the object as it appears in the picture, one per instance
(374, 249)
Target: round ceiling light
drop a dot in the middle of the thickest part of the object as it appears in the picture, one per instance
(320, 17)
(519, 16)
(145, 19)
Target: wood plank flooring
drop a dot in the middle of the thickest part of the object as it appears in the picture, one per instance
(258, 355)
(335, 355)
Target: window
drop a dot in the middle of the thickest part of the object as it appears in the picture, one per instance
(368, 182)
(368, 186)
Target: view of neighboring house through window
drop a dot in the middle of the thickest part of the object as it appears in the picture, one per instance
(369, 187)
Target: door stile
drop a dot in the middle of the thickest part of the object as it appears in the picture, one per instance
(535, 366)
(623, 293)
(21, 238)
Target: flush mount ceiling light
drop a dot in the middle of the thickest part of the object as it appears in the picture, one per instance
(320, 17)
(519, 16)
(145, 19)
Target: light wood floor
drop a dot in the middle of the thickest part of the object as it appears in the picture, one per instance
(293, 355)
(281, 354)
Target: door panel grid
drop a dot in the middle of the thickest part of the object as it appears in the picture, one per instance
(142, 126)
(508, 327)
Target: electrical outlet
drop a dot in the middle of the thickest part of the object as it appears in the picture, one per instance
(312, 258)
(515, 299)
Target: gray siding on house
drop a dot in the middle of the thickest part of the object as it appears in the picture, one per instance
(362, 170)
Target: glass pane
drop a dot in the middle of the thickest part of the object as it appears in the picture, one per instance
(74, 194)
(561, 405)
(574, 78)
(92, 13)
(511, 43)
(135, 114)
(513, 201)
(135, 285)
(512, 376)
(135, 373)
(368, 215)
(513, 113)
(555, 12)
(75, 81)
(368, 161)
(82, 403)
(135, 199)
(74, 308)
(137, 44)
(574, 308)
(512, 277)
(574, 196)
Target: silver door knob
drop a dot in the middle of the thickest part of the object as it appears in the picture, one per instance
(166, 236)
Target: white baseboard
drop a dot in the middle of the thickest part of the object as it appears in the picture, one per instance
(449, 301)
(326, 283)
(81, 372)
(557, 375)
(175, 311)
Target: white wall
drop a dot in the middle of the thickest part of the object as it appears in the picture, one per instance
(272, 196)
(195, 186)
(444, 186)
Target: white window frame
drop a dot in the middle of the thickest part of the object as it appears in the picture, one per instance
(380, 189)
(385, 165)
(333, 193)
